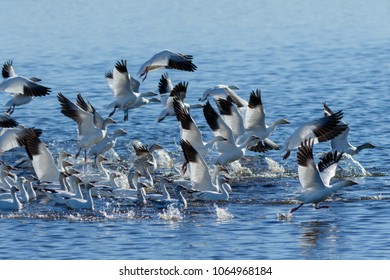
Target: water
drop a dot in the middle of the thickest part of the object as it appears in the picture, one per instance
(299, 53)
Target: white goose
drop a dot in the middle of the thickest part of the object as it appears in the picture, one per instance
(11, 204)
(14, 137)
(341, 143)
(145, 158)
(169, 60)
(61, 196)
(126, 97)
(225, 91)
(179, 91)
(222, 195)
(228, 150)
(199, 170)
(107, 144)
(22, 195)
(254, 124)
(79, 203)
(320, 130)
(190, 132)
(23, 90)
(315, 180)
(89, 131)
(42, 159)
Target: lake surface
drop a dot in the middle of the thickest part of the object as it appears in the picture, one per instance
(299, 53)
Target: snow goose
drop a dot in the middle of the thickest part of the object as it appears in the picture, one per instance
(133, 200)
(11, 204)
(107, 144)
(169, 60)
(224, 91)
(42, 159)
(23, 90)
(320, 130)
(144, 156)
(200, 171)
(190, 132)
(89, 133)
(179, 91)
(14, 137)
(60, 196)
(80, 203)
(22, 194)
(254, 123)
(126, 97)
(222, 195)
(227, 149)
(341, 143)
(316, 180)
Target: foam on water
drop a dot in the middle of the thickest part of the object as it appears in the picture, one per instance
(223, 214)
(171, 214)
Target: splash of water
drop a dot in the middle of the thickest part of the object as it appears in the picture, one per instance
(354, 168)
(163, 159)
(284, 216)
(171, 214)
(222, 214)
(239, 171)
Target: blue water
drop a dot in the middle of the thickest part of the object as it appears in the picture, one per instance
(299, 53)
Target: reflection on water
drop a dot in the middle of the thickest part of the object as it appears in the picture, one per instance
(318, 238)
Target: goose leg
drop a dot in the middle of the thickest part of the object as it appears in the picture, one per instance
(113, 112)
(296, 208)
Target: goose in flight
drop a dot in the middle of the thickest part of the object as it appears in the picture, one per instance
(316, 179)
(228, 150)
(255, 124)
(42, 159)
(125, 90)
(320, 130)
(341, 142)
(200, 177)
(15, 137)
(22, 89)
(90, 131)
(190, 132)
(169, 60)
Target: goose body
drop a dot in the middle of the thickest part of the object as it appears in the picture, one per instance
(169, 60)
(316, 179)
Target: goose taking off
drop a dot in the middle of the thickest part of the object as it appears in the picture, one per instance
(200, 177)
(341, 142)
(228, 150)
(320, 130)
(255, 124)
(121, 84)
(22, 89)
(90, 131)
(169, 60)
(315, 180)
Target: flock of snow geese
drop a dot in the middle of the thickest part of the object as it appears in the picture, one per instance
(237, 125)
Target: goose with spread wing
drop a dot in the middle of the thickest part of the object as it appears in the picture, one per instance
(22, 89)
(227, 149)
(90, 131)
(200, 177)
(341, 142)
(125, 90)
(169, 60)
(320, 130)
(316, 179)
